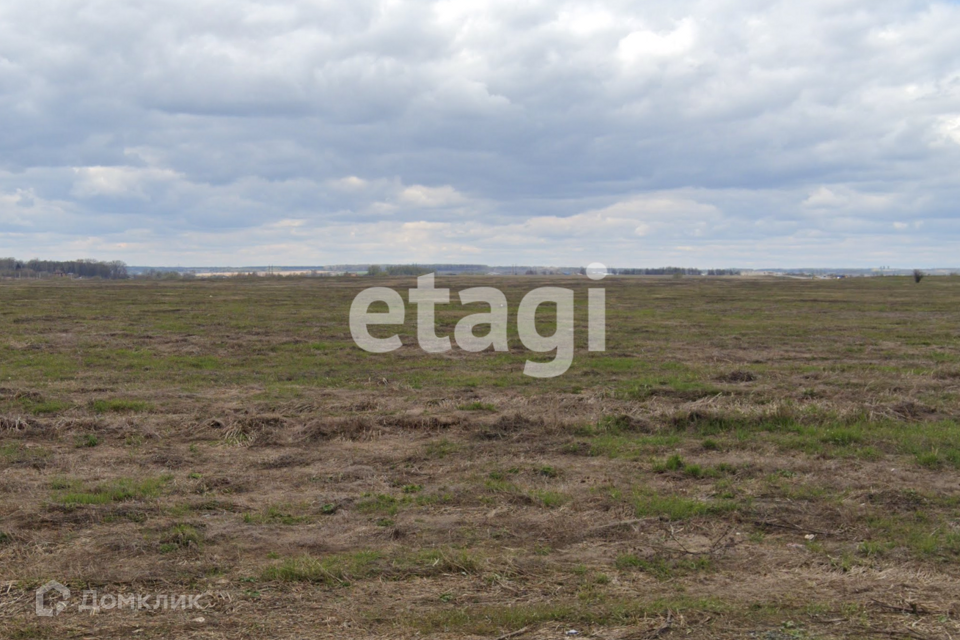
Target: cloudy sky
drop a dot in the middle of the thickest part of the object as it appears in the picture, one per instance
(711, 133)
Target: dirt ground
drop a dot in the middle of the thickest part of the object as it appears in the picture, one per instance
(748, 459)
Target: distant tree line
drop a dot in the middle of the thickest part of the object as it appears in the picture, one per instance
(166, 274)
(675, 271)
(397, 270)
(13, 268)
(419, 270)
(723, 272)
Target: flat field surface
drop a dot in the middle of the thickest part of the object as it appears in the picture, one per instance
(749, 458)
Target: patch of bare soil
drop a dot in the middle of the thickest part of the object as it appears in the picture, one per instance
(394, 516)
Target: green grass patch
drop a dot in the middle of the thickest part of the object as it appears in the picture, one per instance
(439, 449)
(120, 405)
(612, 425)
(73, 492)
(549, 499)
(275, 514)
(664, 569)
(380, 503)
(921, 533)
(87, 440)
(632, 446)
(47, 407)
(675, 463)
(181, 536)
(336, 570)
(648, 503)
(18, 453)
(478, 406)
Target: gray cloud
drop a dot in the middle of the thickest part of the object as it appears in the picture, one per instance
(701, 133)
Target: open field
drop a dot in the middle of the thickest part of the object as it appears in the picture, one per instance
(750, 458)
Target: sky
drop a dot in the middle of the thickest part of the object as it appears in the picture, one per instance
(706, 134)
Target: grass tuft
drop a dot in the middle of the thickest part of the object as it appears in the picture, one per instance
(120, 406)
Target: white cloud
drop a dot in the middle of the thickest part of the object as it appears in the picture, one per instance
(549, 127)
(349, 183)
(118, 181)
(950, 128)
(825, 198)
(586, 20)
(645, 43)
(421, 196)
(846, 198)
(23, 211)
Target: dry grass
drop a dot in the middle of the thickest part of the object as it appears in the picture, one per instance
(749, 457)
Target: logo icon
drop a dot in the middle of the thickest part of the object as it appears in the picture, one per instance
(58, 589)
